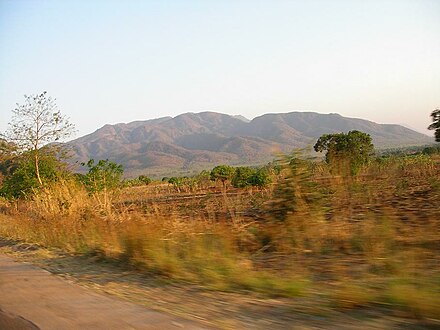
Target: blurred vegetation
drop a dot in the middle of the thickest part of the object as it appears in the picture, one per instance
(349, 239)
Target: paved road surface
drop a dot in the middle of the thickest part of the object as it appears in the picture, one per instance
(32, 298)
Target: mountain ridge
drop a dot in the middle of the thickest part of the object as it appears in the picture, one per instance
(192, 141)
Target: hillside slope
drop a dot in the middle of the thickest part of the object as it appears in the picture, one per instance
(203, 140)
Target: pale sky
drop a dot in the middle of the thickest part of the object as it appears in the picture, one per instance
(120, 61)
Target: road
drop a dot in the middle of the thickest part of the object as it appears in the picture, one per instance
(32, 298)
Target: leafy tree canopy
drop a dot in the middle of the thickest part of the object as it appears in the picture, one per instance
(144, 179)
(104, 175)
(222, 173)
(261, 178)
(346, 150)
(243, 177)
(248, 176)
(22, 180)
(175, 181)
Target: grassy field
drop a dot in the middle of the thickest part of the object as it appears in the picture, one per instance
(346, 243)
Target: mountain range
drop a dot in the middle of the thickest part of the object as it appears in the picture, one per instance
(194, 141)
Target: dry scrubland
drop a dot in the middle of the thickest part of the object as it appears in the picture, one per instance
(370, 241)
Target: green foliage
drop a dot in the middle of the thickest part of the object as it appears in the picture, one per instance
(248, 176)
(23, 179)
(175, 181)
(346, 152)
(222, 173)
(36, 123)
(8, 159)
(7, 167)
(105, 175)
(295, 191)
(431, 150)
(435, 124)
(261, 178)
(141, 180)
(144, 179)
(243, 177)
(273, 167)
(408, 150)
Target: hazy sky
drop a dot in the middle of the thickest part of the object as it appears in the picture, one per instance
(119, 61)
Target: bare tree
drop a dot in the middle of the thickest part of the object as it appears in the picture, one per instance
(37, 123)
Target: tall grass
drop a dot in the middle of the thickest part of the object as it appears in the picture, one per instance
(362, 241)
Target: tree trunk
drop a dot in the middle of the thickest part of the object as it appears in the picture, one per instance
(37, 169)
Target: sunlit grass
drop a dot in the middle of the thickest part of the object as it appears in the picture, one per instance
(360, 242)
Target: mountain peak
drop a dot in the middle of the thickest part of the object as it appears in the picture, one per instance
(205, 139)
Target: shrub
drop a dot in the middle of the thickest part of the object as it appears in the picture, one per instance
(23, 180)
(105, 175)
(243, 177)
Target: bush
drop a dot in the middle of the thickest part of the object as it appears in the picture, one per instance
(105, 175)
(261, 178)
(346, 153)
(222, 173)
(247, 176)
(243, 177)
(141, 180)
(23, 180)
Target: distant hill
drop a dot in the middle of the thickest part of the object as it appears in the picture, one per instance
(193, 141)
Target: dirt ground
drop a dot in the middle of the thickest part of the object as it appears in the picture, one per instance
(32, 298)
(11, 321)
(204, 307)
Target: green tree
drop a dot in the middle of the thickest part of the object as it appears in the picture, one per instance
(22, 180)
(346, 152)
(248, 176)
(144, 179)
(243, 177)
(176, 182)
(435, 124)
(8, 159)
(431, 150)
(104, 175)
(222, 173)
(261, 177)
(35, 123)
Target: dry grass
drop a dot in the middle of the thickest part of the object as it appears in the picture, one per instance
(351, 239)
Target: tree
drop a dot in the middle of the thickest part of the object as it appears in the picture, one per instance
(435, 124)
(8, 159)
(21, 180)
(261, 178)
(243, 177)
(36, 123)
(346, 152)
(144, 179)
(248, 176)
(175, 181)
(222, 173)
(104, 175)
